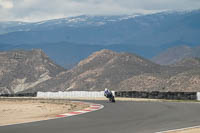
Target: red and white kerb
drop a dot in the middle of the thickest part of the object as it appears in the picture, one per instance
(93, 107)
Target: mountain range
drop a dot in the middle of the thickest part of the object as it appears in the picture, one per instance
(76, 38)
(32, 71)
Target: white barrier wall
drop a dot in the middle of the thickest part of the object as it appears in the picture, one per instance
(198, 96)
(72, 94)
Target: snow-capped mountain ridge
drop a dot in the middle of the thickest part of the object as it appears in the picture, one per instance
(85, 20)
(77, 21)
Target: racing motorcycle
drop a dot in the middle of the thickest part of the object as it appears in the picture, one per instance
(111, 98)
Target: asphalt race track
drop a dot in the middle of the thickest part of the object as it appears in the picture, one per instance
(119, 117)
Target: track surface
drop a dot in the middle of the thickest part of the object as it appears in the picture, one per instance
(120, 117)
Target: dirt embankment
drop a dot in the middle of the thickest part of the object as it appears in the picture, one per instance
(13, 111)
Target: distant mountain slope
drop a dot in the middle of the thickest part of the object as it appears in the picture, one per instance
(175, 54)
(149, 30)
(188, 62)
(146, 35)
(21, 70)
(75, 22)
(11, 26)
(69, 54)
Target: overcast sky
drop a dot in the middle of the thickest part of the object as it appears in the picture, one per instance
(37, 10)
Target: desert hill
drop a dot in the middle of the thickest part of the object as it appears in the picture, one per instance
(21, 70)
(121, 71)
(103, 69)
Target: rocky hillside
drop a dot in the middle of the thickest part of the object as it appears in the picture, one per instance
(102, 69)
(176, 54)
(121, 71)
(182, 76)
(21, 70)
(189, 62)
(32, 71)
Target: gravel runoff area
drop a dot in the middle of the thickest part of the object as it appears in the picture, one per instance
(22, 110)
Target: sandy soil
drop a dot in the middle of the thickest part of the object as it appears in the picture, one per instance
(195, 130)
(13, 111)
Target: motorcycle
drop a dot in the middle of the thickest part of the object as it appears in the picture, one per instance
(111, 98)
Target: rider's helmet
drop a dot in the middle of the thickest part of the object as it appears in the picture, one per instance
(106, 89)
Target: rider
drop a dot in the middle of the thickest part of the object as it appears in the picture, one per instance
(107, 93)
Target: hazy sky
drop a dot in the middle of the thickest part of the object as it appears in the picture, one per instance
(37, 10)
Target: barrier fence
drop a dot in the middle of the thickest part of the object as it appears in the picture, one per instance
(72, 94)
(19, 95)
(127, 94)
(100, 94)
(160, 95)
